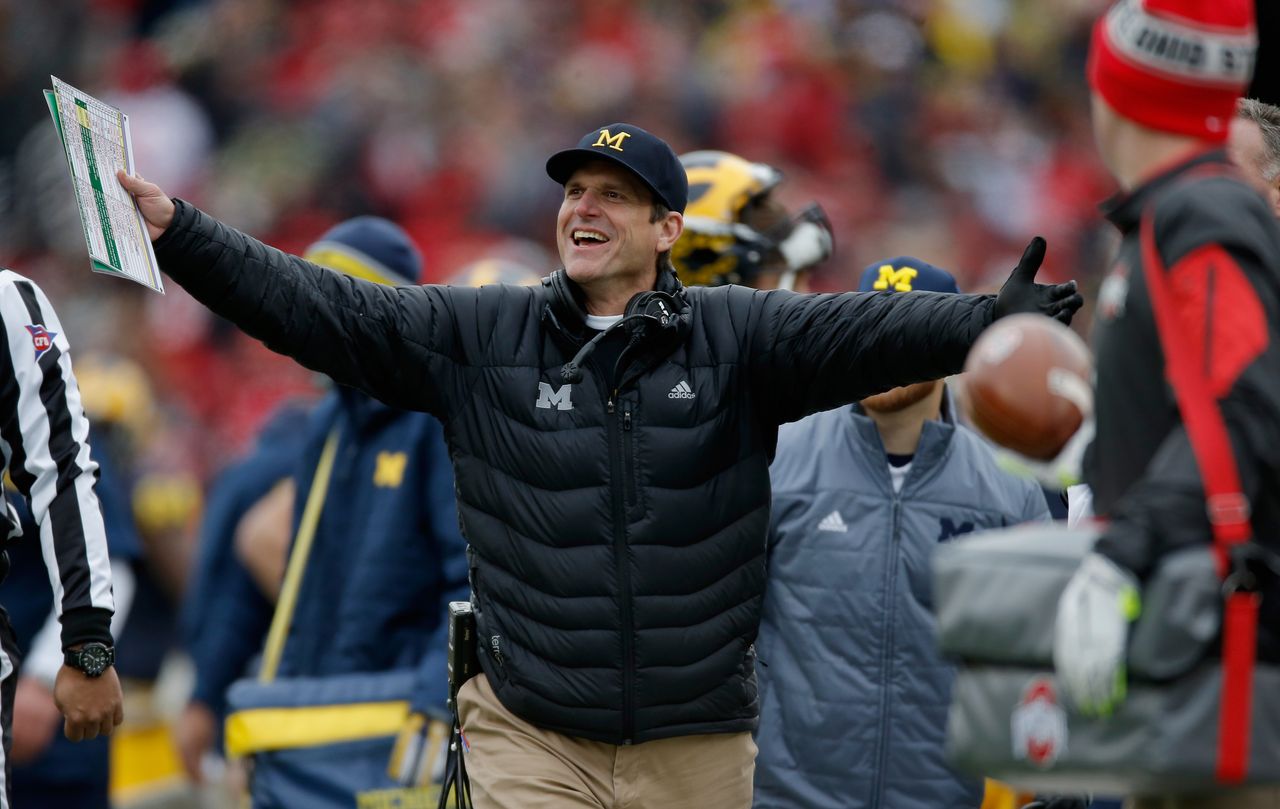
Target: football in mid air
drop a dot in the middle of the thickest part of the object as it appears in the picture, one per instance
(1028, 384)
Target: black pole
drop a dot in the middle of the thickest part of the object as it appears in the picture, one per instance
(1266, 74)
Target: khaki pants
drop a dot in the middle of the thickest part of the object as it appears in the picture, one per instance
(1245, 798)
(514, 765)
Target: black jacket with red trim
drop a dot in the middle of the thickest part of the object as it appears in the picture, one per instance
(1220, 243)
(616, 532)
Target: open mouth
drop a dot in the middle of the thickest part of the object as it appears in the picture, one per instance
(583, 237)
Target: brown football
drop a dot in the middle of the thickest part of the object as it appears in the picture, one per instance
(1027, 384)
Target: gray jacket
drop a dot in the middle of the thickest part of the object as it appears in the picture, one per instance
(853, 691)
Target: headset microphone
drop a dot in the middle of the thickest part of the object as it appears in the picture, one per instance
(647, 307)
(571, 371)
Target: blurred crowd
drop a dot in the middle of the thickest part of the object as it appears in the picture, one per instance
(947, 129)
(952, 130)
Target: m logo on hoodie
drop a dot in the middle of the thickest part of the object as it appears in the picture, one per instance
(389, 471)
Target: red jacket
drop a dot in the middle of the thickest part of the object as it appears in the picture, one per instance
(1220, 244)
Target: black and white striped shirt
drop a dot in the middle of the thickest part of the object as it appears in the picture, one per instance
(44, 437)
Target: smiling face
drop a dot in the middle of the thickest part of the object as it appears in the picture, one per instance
(604, 229)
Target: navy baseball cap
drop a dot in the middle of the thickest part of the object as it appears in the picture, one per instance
(905, 274)
(647, 156)
(368, 247)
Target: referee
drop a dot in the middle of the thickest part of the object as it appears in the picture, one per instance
(44, 440)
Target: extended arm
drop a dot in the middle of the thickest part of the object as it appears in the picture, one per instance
(816, 352)
(398, 344)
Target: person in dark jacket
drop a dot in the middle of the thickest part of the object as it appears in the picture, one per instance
(1211, 243)
(611, 433)
(385, 556)
(224, 616)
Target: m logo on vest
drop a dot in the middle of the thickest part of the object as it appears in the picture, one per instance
(560, 399)
(896, 280)
(612, 141)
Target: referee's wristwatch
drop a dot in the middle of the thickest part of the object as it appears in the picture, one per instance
(92, 659)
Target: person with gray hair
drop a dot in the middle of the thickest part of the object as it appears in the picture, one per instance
(1254, 146)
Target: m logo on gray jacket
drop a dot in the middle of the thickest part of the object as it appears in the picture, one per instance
(951, 529)
(560, 398)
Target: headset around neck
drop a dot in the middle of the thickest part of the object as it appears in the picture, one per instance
(659, 309)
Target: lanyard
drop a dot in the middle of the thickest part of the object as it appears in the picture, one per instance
(1227, 506)
(283, 616)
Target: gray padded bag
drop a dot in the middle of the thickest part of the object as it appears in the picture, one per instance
(996, 596)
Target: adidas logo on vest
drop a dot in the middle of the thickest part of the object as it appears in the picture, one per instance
(682, 391)
(833, 522)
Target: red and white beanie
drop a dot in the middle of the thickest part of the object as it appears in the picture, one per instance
(1175, 65)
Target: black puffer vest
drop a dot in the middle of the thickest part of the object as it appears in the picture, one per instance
(621, 602)
(617, 533)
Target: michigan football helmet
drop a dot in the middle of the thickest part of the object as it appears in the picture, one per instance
(720, 245)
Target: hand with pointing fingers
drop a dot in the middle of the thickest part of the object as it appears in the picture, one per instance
(157, 209)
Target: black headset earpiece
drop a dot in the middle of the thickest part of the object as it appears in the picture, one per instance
(563, 300)
(661, 306)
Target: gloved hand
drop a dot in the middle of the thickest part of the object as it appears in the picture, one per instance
(1061, 802)
(1021, 293)
(1089, 637)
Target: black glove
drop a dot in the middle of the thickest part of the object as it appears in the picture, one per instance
(1061, 802)
(1021, 293)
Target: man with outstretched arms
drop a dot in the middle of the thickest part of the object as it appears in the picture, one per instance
(611, 432)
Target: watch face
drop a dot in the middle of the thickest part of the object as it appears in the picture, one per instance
(94, 659)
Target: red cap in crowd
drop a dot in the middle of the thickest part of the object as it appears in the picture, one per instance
(1175, 65)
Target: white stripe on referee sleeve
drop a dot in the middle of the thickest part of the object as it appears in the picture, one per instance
(90, 553)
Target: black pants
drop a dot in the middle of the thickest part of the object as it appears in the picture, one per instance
(8, 686)
(61, 796)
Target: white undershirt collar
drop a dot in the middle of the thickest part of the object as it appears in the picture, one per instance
(602, 322)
